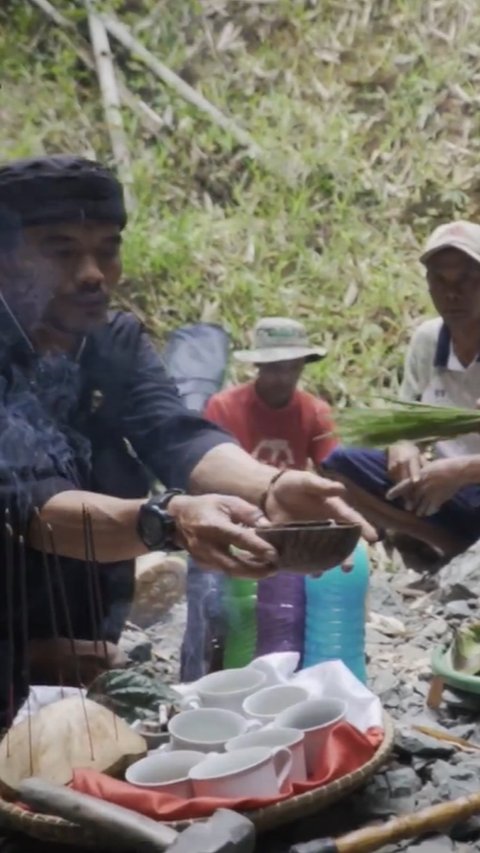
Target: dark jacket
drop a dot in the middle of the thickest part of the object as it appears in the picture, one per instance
(97, 423)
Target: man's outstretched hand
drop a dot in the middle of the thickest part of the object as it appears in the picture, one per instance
(302, 496)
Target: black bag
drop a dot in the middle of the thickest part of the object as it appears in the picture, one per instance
(196, 357)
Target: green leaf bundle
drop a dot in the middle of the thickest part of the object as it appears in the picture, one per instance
(380, 427)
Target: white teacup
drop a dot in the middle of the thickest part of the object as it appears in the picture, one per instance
(266, 704)
(292, 739)
(316, 718)
(226, 689)
(166, 772)
(277, 666)
(258, 771)
(206, 729)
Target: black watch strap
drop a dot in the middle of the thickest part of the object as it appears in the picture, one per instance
(164, 498)
(156, 527)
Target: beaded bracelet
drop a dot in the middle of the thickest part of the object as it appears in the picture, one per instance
(263, 500)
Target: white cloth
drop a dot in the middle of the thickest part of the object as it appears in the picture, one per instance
(42, 695)
(332, 680)
(450, 385)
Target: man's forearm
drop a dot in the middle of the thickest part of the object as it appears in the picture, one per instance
(114, 526)
(229, 470)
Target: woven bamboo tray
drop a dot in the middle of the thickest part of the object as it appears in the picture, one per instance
(57, 830)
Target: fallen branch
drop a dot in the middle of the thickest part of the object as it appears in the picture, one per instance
(125, 37)
(111, 100)
(150, 120)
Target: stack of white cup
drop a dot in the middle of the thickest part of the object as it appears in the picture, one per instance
(238, 737)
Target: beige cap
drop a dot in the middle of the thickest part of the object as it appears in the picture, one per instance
(461, 235)
(279, 339)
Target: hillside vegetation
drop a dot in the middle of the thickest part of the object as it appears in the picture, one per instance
(368, 110)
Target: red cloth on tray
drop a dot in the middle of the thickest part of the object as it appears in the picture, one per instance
(346, 750)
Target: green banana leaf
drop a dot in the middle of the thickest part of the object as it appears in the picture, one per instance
(466, 649)
(132, 694)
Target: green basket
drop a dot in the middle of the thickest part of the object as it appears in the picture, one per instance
(442, 665)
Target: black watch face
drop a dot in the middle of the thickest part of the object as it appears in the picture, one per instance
(153, 527)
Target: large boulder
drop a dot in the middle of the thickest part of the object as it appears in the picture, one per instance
(135, 644)
(160, 583)
(460, 578)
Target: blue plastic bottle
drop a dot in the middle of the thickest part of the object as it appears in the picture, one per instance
(335, 615)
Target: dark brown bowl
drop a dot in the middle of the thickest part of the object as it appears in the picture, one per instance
(312, 546)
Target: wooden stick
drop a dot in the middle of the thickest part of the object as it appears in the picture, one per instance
(123, 827)
(111, 100)
(50, 10)
(125, 37)
(465, 745)
(429, 821)
(150, 120)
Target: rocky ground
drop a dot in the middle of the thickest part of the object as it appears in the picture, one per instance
(409, 614)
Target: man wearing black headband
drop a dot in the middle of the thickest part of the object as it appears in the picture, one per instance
(85, 403)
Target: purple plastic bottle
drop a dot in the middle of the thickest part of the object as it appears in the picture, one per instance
(281, 613)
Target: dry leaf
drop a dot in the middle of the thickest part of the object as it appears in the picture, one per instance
(351, 295)
(229, 38)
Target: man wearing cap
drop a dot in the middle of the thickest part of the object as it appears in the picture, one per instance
(85, 404)
(436, 501)
(274, 421)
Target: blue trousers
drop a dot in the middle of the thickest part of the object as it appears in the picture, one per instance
(368, 470)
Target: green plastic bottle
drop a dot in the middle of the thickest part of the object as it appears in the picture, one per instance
(241, 614)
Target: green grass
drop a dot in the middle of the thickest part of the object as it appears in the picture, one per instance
(369, 107)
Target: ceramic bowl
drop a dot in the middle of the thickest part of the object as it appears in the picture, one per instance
(311, 547)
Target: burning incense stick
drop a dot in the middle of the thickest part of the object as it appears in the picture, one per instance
(24, 617)
(49, 588)
(98, 595)
(68, 621)
(90, 580)
(9, 601)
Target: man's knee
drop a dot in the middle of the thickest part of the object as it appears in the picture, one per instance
(342, 460)
(365, 468)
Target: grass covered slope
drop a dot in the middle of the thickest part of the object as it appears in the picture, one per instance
(368, 107)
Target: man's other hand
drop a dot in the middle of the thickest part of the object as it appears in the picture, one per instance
(217, 530)
(438, 481)
(404, 461)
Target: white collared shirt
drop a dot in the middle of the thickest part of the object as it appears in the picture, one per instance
(434, 375)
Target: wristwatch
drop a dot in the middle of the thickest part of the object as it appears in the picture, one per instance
(155, 526)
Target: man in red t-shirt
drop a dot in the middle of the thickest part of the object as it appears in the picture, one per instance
(279, 425)
(271, 418)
